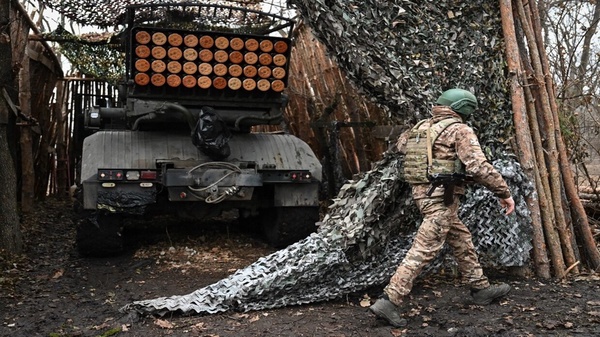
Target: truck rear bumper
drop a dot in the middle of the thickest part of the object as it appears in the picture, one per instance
(207, 188)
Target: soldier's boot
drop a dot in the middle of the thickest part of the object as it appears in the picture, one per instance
(385, 309)
(487, 295)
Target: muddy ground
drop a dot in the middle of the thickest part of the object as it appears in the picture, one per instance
(51, 291)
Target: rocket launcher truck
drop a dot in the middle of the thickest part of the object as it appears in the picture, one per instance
(178, 138)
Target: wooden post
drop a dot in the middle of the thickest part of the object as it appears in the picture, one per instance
(62, 183)
(27, 162)
(551, 146)
(523, 135)
(580, 220)
(543, 190)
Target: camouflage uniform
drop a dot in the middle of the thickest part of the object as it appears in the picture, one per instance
(440, 222)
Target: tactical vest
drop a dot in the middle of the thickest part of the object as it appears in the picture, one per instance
(419, 163)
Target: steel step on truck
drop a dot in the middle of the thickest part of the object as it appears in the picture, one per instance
(178, 138)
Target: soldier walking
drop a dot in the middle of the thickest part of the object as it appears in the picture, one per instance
(440, 152)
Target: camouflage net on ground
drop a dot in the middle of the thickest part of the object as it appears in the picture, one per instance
(359, 244)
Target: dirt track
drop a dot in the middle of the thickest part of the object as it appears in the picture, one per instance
(51, 291)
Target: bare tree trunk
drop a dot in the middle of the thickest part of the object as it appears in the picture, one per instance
(542, 177)
(10, 233)
(27, 172)
(523, 134)
(543, 191)
(62, 170)
(552, 157)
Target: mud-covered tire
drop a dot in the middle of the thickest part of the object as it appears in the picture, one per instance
(99, 234)
(282, 226)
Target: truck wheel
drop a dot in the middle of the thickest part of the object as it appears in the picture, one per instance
(99, 234)
(285, 225)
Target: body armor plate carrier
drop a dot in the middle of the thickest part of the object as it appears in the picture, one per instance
(419, 164)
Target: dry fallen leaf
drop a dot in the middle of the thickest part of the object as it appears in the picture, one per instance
(414, 312)
(365, 301)
(164, 324)
(549, 324)
(199, 326)
(398, 332)
(528, 309)
(101, 326)
(58, 274)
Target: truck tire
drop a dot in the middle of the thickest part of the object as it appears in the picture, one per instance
(99, 234)
(283, 226)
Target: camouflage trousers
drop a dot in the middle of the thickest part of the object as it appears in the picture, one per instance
(440, 224)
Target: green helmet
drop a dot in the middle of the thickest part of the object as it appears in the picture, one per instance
(460, 101)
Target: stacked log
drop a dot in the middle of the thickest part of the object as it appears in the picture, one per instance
(560, 221)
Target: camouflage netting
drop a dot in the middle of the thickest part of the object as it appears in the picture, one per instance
(403, 54)
(101, 56)
(111, 13)
(360, 242)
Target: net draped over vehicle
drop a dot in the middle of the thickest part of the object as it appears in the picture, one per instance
(360, 242)
(108, 13)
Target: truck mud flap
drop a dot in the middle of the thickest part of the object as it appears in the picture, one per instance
(126, 198)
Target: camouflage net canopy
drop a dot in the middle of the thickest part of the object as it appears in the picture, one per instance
(101, 55)
(96, 55)
(111, 13)
(405, 53)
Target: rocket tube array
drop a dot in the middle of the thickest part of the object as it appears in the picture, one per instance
(209, 61)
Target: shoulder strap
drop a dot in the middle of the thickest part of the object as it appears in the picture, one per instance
(419, 124)
(434, 131)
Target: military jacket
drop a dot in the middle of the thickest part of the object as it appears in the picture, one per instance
(459, 141)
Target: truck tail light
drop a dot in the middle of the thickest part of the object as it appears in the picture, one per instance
(300, 176)
(148, 175)
(109, 175)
